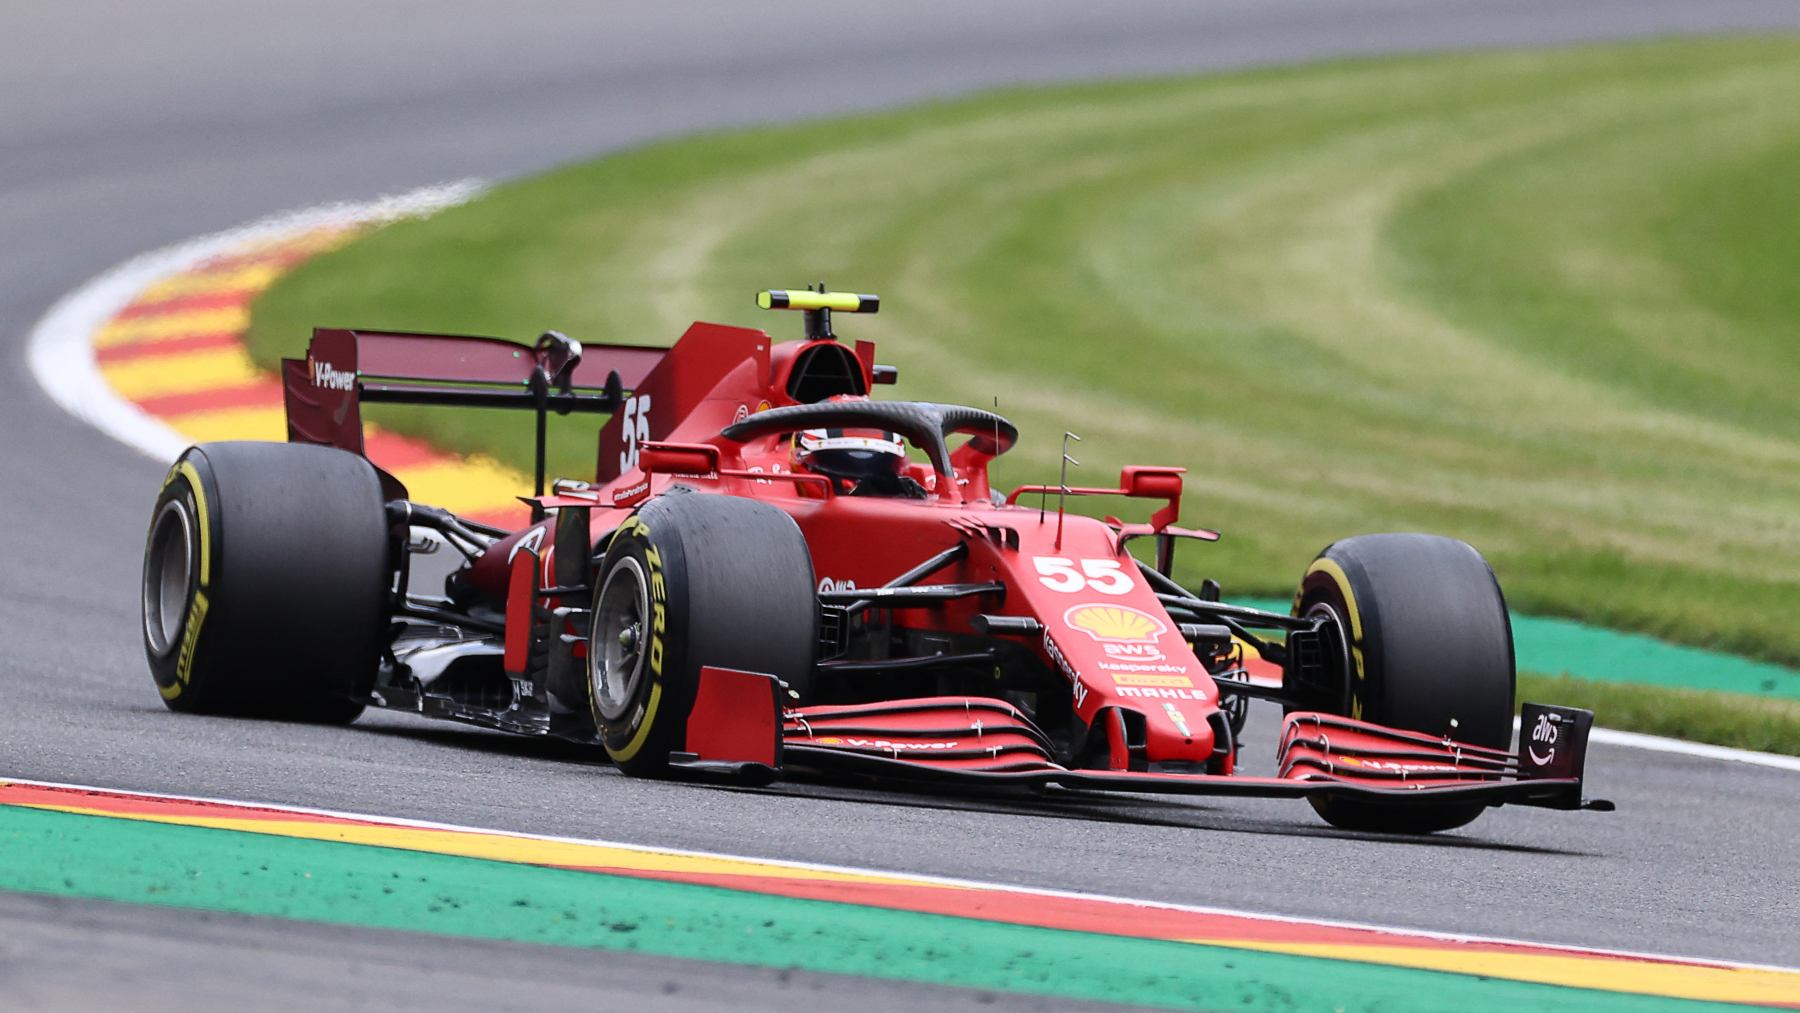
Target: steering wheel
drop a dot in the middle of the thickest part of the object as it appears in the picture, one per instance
(926, 425)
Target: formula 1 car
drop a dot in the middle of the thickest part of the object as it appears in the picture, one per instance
(760, 582)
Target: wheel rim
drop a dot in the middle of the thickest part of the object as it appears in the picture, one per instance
(168, 576)
(616, 656)
(1332, 616)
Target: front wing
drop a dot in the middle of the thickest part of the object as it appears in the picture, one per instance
(977, 743)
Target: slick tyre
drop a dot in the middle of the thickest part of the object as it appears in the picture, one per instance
(1428, 648)
(690, 581)
(266, 575)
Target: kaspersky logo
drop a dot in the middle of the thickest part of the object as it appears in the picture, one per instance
(326, 376)
(1121, 631)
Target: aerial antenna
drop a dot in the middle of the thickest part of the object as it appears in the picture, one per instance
(1062, 488)
(997, 450)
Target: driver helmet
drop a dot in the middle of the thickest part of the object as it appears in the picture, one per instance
(856, 455)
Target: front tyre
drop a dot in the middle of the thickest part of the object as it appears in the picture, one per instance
(690, 581)
(266, 573)
(1428, 647)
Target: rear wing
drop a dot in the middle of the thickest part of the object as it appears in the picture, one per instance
(345, 368)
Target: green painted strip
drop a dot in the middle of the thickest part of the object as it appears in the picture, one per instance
(1558, 646)
(323, 881)
(1586, 652)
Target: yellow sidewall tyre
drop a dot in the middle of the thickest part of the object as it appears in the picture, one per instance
(1428, 648)
(266, 582)
(692, 580)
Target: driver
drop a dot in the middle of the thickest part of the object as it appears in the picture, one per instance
(862, 462)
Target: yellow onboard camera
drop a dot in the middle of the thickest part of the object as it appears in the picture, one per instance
(807, 299)
(818, 304)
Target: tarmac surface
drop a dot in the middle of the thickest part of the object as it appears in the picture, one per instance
(128, 127)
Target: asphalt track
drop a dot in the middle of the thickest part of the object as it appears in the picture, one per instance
(127, 127)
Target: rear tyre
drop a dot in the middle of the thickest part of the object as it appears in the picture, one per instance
(266, 576)
(1429, 649)
(691, 581)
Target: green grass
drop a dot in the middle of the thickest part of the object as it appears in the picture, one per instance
(1725, 719)
(1542, 301)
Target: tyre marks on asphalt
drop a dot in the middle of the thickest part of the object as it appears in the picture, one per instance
(968, 926)
(175, 350)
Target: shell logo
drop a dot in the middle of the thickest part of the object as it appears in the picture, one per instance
(1117, 624)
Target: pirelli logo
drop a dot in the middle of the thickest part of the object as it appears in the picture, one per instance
(1160, 681)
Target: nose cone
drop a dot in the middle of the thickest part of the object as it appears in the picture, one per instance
(1179, 730)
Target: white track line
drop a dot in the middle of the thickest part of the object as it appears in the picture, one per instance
(969, 884)
(1656, 743)
(61, 356)
(61, 351)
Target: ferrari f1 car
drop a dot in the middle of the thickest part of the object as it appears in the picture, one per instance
(759, 582)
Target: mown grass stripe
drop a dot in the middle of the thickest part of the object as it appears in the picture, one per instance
(95, 857)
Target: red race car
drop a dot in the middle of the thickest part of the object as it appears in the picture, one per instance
(763, 580)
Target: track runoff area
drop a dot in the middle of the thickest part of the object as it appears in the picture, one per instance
(152, 352)
(346, 868)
